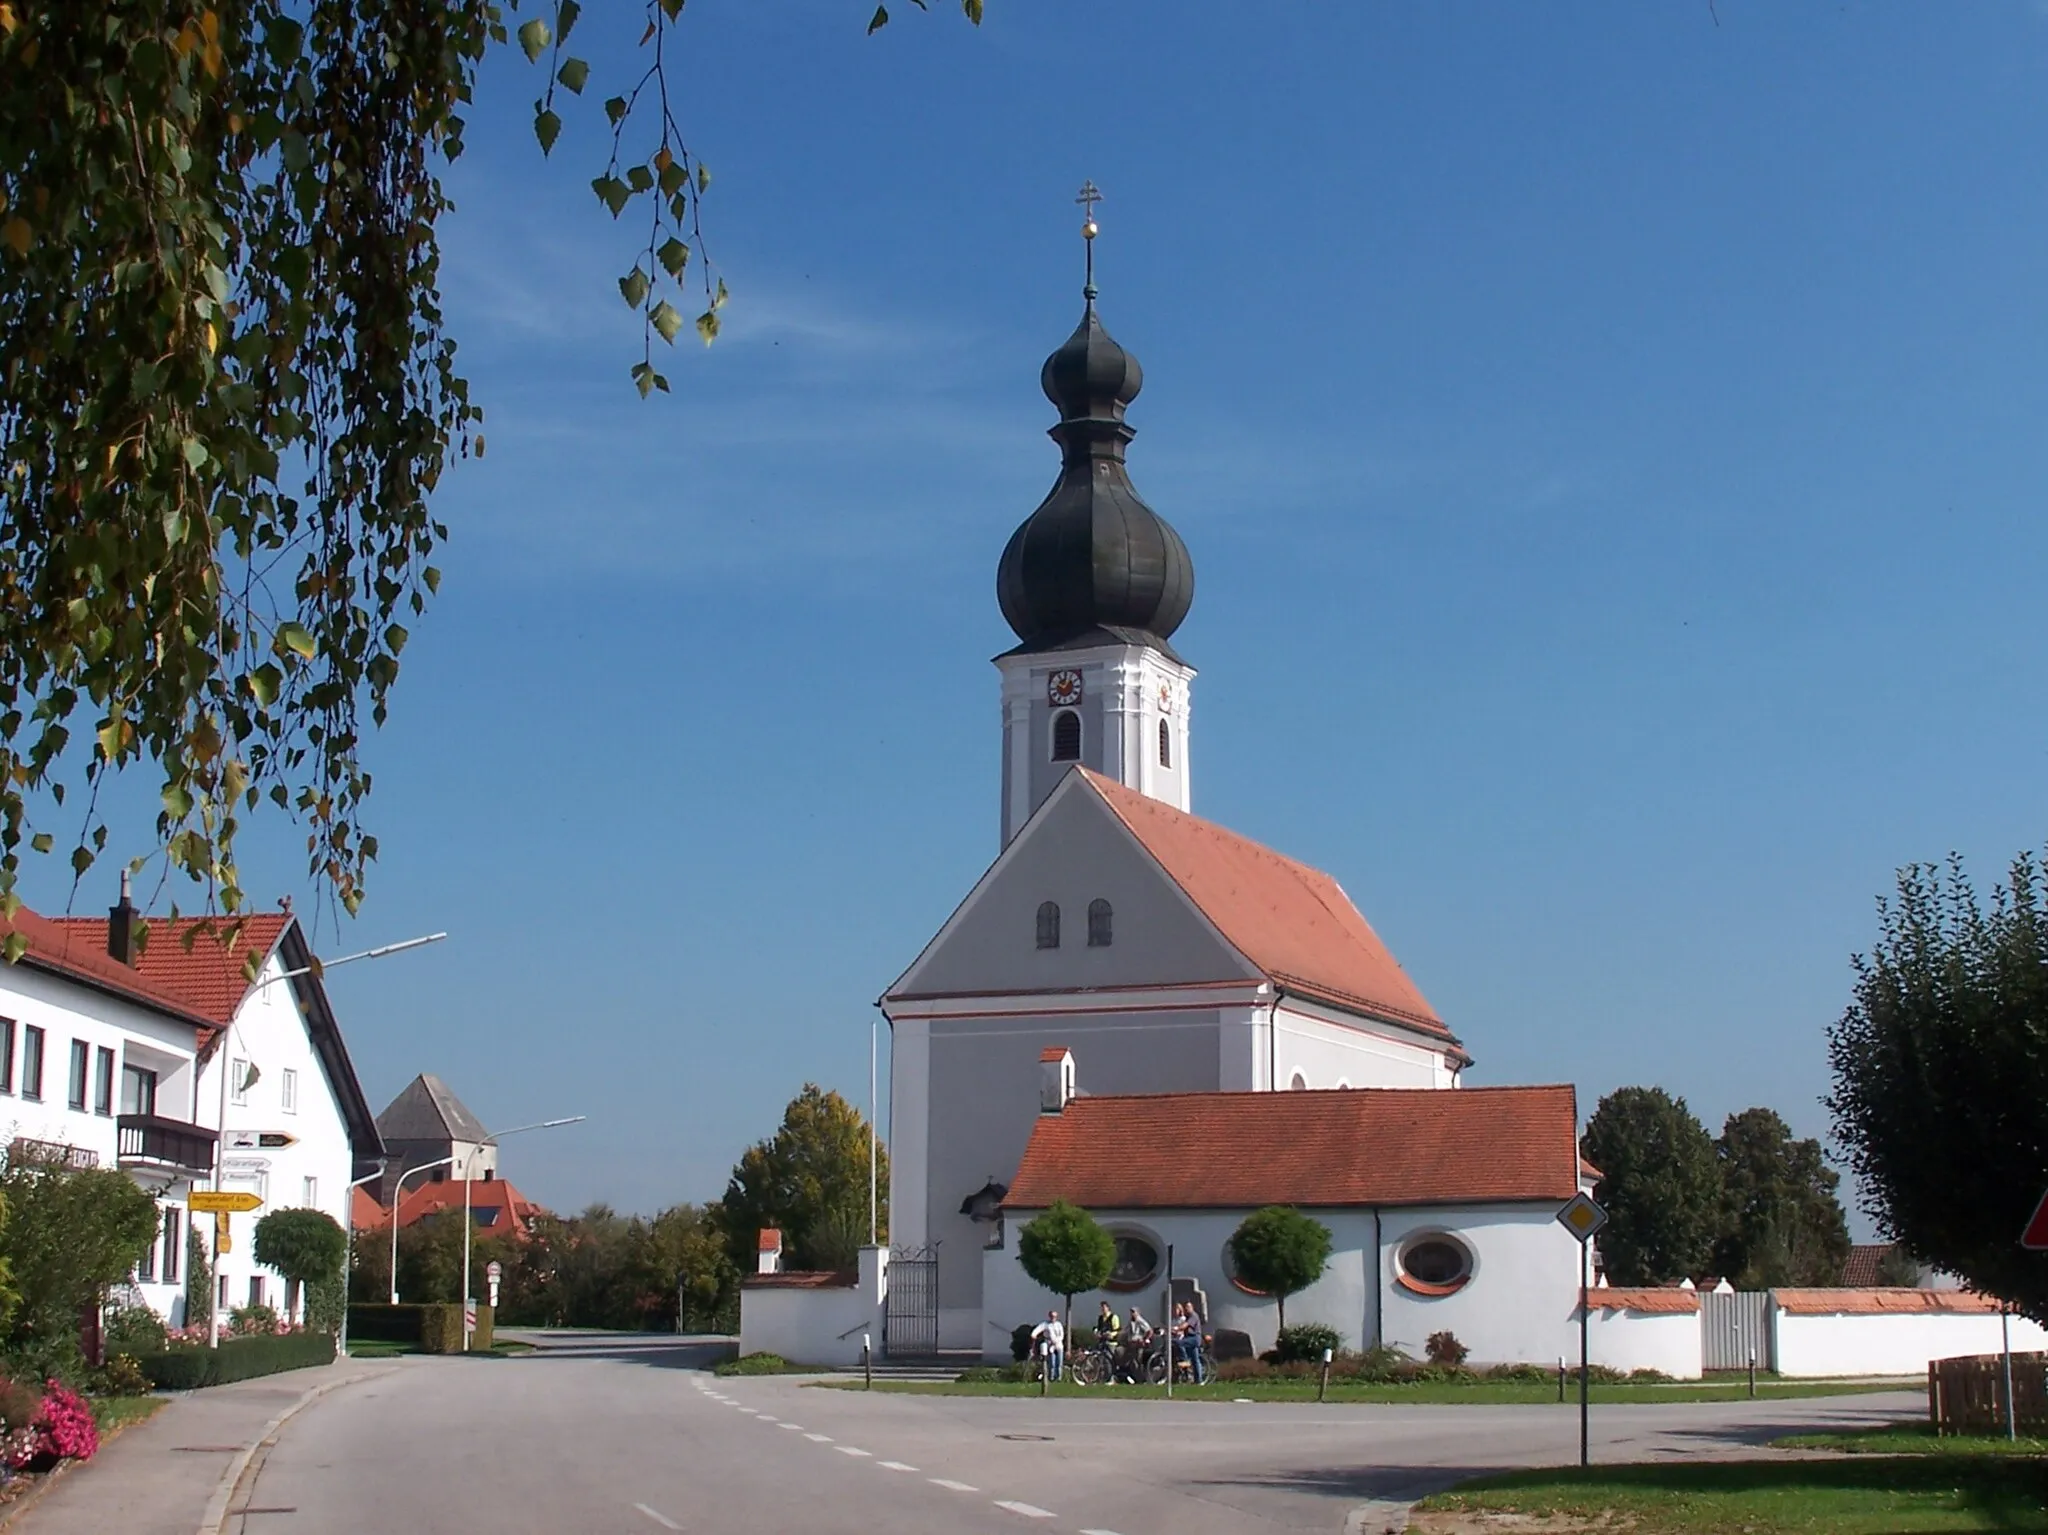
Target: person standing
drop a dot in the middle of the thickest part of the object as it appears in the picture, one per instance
(1051, 1339)
(1187, 1335)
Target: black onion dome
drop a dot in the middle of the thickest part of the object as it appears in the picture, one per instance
(1094, 562)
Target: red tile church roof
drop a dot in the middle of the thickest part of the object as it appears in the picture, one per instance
(1362, 1146)
(1291, 921)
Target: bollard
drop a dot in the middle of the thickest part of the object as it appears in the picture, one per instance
(1752, 1374)
(1044, 1370)
(1560, 1377)
(867, 1359)
(1323, 1390)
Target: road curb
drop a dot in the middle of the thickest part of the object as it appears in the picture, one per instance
(216, 1514)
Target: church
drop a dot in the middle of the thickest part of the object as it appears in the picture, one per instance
(1144, 1013)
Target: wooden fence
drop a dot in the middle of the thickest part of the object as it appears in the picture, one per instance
(1967, 1395)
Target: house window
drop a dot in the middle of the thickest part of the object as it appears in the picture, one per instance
(288, 1089)
(32, 1063)
(174, 1242)
(103, 1082)
(145, 1271)
(1048, 924)
(1230, 1272)
(138, 1090)
(1165, 744)
(310, 1194)
(255, 1289)
(6, 1055)
(1066, 736)
(239, 1080)
(1098, 924)
(1137, 1260)
(81, 1062)
(1434, 1263)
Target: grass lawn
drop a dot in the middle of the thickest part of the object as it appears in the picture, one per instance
(1510, 1392)
(1913, 1439)
(1861, 1495)
(381, 1348)
(114, 1413)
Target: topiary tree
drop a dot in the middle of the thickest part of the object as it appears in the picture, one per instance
(308, 1247)
(1280, 1250)
(1066, 1252)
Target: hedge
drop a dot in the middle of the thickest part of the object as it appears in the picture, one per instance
(189, 1366)
(435, 1329)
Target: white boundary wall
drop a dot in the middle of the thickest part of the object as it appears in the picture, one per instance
(805, 1324)
(1644, 1340)
(1889, 1343)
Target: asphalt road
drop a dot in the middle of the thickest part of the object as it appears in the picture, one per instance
(630, 1437)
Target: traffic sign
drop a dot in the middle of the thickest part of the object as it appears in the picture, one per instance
(222, 1200)
(260, 1140)
(494, 1271)
(1581, 1217)
(2035, 1238)
(222, 1243)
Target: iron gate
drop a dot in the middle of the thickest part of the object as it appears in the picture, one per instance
(910, 1318)
(1734, 1329)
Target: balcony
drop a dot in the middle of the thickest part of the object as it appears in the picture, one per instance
(171, 1148)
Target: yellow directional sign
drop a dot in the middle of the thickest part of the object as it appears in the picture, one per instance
(222, 1243)
(219, 1200)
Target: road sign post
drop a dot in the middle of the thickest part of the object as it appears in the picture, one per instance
(1583, 1219)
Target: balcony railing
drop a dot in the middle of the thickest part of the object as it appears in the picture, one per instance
(149, 1140)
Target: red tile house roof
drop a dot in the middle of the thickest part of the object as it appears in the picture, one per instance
(211, 975)
(364, 1213)
(1348, 1146)
(1293, 922)
(67, 947)
(495, 1205)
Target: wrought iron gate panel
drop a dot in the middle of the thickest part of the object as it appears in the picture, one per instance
(910, 1319)
(1733, 1328)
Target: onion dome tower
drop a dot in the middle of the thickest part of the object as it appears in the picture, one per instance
(1094, 583)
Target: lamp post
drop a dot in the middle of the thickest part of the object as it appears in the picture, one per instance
(397, 1189)
(348, 1261)
(493, 1138)
(318, 967)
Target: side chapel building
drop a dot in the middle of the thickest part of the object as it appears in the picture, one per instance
(1122, 948)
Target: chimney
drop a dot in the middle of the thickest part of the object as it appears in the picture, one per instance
(1055, 1079)
(770, 1260)
(121, 927)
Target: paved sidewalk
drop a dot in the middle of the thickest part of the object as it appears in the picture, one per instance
(156, 1478)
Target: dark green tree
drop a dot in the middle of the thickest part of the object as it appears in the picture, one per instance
(1940, 1066)
(1781, 1223)
(1066, 1252)
(809, 1181)
(308, 1247)
(69, 1234)
(1281, 1251)
(1660, 1185)
(199, 1278)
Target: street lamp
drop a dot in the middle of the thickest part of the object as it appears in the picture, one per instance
(348, 1262)
(397, 1189)
(494, 1137)
(318, 967)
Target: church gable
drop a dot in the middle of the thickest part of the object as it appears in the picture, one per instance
(1027, 926)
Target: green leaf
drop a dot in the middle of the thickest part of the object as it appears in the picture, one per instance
(633, 287)
(177, 801)
(14, 948)
(615, 109)
(674, 8)
(703, 177)
(666, 321)
(879, 20)
(533, 37)
(41, 842)
(673, 178)
(573, 74)
(565, 19)
(674, 256)
(298, 640)
(640, 178)
(395, 638)
(643, 378)
(707, 326)
(81, 859)
(718, 302)
(432, 578)
(612, 192)
(195, 453)
(265, 682)
(972, 8)
(547, 127)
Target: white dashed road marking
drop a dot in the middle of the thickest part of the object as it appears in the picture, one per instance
(1028, 1510)
(894, 1465)
(950, 1486)
(1098, 1532)
(659, 1518)
(819, 1438)
(797, 1427)
(847, 1449)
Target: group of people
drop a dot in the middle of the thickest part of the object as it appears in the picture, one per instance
(1126, 1343)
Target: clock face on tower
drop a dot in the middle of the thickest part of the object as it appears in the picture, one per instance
(1063, 687)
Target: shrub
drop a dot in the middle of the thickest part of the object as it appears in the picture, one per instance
(65, 1428)
(1242, 1369)
(1444, 1348)
(984, 1373)
(441, 1329)
(385, 1324)
(755, 1364)
(187, 1367)
(1647, 1374)
(326, 1299)
(20, 1404)
(1519, 1372)
(68, 1234)
(1305, 1342)
(122, 1376)
(249, 1320)
(134, 1330)
(1020, 1341)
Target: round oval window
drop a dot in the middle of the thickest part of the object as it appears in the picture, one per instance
(1436, 1262)
(1137, 1261)
(1230, 1272)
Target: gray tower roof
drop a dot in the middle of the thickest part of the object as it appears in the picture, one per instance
(428, 1110)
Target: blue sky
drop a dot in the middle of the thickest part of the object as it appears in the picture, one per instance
(1609, 438)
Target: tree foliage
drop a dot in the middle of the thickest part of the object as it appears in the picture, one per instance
(308, 1247)
(1281, 1251)
(1940, 1067)
(809, 1181)
(69, 1233)
(1066, 1252)
(1780, 1221)
(229, 391)
(1660, 1185)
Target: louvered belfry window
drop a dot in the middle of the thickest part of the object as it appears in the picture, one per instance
(1066, 736)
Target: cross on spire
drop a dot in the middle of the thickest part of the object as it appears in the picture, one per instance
(1090, 196)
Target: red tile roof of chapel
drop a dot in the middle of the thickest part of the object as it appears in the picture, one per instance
(1345, 1146)
(1293, 922)
(1879, 1301)
(1650, 1299)
(209, 976)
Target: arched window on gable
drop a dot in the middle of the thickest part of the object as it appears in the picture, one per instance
(1049, 925)
(1098, 924)
(1066, 736)
(1165, 744)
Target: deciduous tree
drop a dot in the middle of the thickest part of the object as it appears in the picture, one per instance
(1781, 1223)
(1281, 1251)
(1660, 1185)
(1066, 1252)
(69, 1233)
(809, 1181)
(1940, 1069)
(308, 1247)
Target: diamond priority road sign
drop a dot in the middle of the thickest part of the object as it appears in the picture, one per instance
(2035, 1238)
(1581, 1217)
